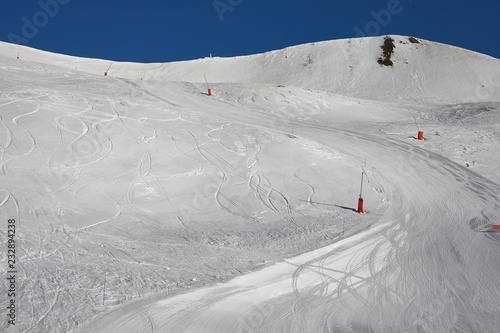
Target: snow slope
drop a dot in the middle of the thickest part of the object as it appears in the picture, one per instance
(422, 71)
(141, 181)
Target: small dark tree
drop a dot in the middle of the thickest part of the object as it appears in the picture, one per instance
(387, 51)
(385, 61)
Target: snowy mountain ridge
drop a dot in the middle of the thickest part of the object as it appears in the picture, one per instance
(421, 70)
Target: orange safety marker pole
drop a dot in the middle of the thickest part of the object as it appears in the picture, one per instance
(106, 72)
(209, 91)
(360, 200)
(420, 135)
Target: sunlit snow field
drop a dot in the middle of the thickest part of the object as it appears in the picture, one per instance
(145, 205)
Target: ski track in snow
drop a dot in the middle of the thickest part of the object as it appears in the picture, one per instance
(361, 276)
(225, 167)
(331, 285)
(418, 262)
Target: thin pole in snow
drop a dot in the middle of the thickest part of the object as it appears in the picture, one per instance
(206, 81)
(106, 72)
(361, 190)
(363, 173)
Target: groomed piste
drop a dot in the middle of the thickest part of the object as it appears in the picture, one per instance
(143, 203)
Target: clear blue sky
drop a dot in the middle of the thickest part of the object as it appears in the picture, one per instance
(162, 30)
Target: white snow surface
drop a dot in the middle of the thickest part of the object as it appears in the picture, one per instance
(144, 205)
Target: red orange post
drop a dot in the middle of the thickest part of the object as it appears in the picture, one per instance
(420, 135)
(360, 206)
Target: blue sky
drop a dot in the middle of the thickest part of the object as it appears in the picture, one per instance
(162, 30)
